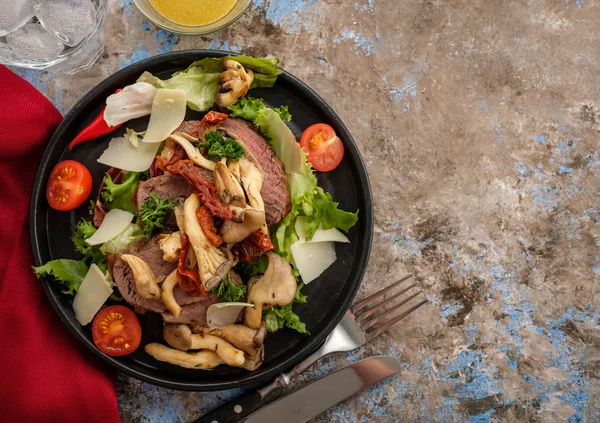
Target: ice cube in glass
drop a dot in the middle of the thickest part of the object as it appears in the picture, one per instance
(70, 20)
(32, 41)
(15, 13)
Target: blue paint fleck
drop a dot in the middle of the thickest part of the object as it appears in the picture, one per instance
(449, 310)
(140, 53)
(166, 41)
(362, 45)
(541, 138)
(289, 14)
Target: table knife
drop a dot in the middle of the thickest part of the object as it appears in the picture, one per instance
(312, 399)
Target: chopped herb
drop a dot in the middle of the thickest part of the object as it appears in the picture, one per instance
(228, 292)
(92, 208)
(218, 146)
(154, 212)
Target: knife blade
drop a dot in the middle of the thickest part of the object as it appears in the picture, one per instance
(316, 397)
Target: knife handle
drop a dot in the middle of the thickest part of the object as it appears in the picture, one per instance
(235, 410)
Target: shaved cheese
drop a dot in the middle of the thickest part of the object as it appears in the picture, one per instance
(221, 314)
(320, 235)
(312, 258)
(115, 222)
(168, 111)
(131, 102)
(91, 295)
(123, 155)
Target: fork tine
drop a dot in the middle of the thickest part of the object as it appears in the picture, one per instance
(361, 304)
(382, 304)
(395, 320)
(372, 322)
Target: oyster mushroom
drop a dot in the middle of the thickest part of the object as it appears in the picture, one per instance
(229, 189)
(170, 244)
(213, 264)
(203, 360)
(145, 281)
(277, 287)
(185, 141)
(252, 181)
(240, 336)
(234, 83)
(166, 293)
(181, 338)
(251, 220)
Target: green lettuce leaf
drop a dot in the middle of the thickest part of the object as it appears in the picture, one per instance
(279, 317)
(246, 270)
(201, 79)
(91, 253)
(120, 196)
(247, 108)
(130, 234)
(281, 138)
(133, 136)
(69, 273)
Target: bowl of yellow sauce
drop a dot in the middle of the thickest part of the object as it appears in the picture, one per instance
(192, 17)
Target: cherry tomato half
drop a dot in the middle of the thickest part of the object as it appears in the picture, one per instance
(69, 185)
(324, 149)
(116, 330)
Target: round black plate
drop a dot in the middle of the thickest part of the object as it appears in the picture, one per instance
(329, 296)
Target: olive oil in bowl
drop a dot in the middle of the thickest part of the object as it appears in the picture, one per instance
(193, 12)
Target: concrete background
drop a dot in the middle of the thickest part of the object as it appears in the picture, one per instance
(479, 123)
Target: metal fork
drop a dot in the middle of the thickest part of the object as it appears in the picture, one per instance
(357, 327)
(362, 322)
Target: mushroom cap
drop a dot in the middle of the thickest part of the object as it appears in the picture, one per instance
(277, 287)
(251, 221)
(178, 336)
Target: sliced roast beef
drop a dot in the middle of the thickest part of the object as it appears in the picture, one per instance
(192, 313)
(275, 192)
(151, 253)
(173, 187)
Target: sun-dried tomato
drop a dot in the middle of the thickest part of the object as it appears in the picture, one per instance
(253, 247)
(189, 279)
(203, 187)
(207, 223)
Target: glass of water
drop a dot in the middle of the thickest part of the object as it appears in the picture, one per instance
(67, 35)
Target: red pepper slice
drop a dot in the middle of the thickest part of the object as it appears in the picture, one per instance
(96, 129)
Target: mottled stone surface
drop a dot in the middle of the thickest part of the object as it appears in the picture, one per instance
(479, 122)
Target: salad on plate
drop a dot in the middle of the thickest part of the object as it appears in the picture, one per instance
(214, 224)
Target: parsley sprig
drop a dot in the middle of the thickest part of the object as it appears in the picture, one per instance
(154, 212)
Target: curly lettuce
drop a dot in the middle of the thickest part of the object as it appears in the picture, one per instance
(120, 196)
(69, 273)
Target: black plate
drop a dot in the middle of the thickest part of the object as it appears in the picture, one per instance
(329, 296)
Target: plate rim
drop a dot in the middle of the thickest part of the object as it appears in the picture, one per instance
(252, 378)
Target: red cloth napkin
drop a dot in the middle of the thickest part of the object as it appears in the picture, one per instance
(45, 375)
